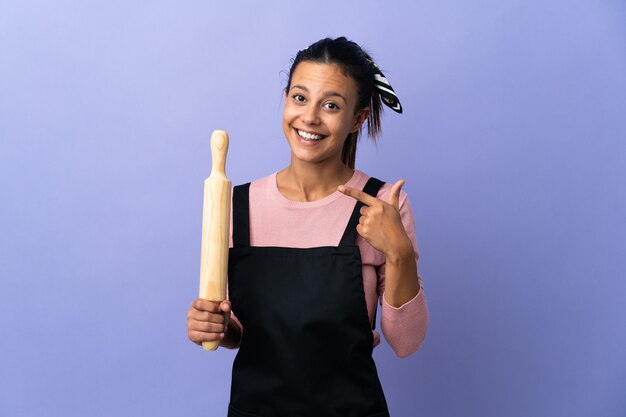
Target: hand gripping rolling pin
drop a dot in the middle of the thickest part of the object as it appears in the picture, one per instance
(215, 227)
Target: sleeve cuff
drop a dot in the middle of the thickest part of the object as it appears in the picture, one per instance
(410, 309)
(413, 300)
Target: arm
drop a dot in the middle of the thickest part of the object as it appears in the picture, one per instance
(381, 226)
(390, 228)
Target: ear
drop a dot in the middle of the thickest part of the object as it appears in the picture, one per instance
(359, 118)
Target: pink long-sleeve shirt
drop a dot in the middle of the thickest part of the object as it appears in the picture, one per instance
(277, 221)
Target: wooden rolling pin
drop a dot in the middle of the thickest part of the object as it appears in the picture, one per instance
(215, 227)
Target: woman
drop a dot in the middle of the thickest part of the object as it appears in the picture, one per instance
(307, 266)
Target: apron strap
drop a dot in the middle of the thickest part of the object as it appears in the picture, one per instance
(372, 187)
(241, 215)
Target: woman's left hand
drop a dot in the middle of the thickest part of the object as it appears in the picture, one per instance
(380, 224)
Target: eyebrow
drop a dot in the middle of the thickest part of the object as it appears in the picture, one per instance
(325, 93)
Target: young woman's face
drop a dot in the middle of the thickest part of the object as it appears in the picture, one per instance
(320, 112)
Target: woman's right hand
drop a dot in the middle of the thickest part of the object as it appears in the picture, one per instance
(208, 321)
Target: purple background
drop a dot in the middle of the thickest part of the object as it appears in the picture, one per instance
(513, 144)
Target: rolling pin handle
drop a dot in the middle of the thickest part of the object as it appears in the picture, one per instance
(219, 149)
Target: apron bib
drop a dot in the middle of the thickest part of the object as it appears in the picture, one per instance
(306, 349)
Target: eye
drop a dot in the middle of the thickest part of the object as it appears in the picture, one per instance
(299, 98)
(331, 106)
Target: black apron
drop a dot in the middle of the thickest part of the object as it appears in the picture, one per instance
(306, 349)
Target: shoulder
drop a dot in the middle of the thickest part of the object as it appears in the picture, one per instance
(258, 193)
(261, 186)
(264, 182)
(261, 183)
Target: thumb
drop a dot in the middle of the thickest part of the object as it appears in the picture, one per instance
(225, 306)
(394, 195)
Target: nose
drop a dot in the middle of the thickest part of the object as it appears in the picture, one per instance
(311, 115)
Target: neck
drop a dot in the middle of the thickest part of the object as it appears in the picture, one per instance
(311, 182)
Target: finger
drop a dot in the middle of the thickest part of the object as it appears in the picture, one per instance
(394, 194)
(206, 305)
(360, 229)
(364, 210)
(199, 337)
(205, 316)
(206, 327)
(358, 195)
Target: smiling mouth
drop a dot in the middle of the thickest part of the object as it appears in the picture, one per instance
(309, 136)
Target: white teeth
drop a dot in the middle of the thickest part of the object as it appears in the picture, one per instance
(309, 136)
